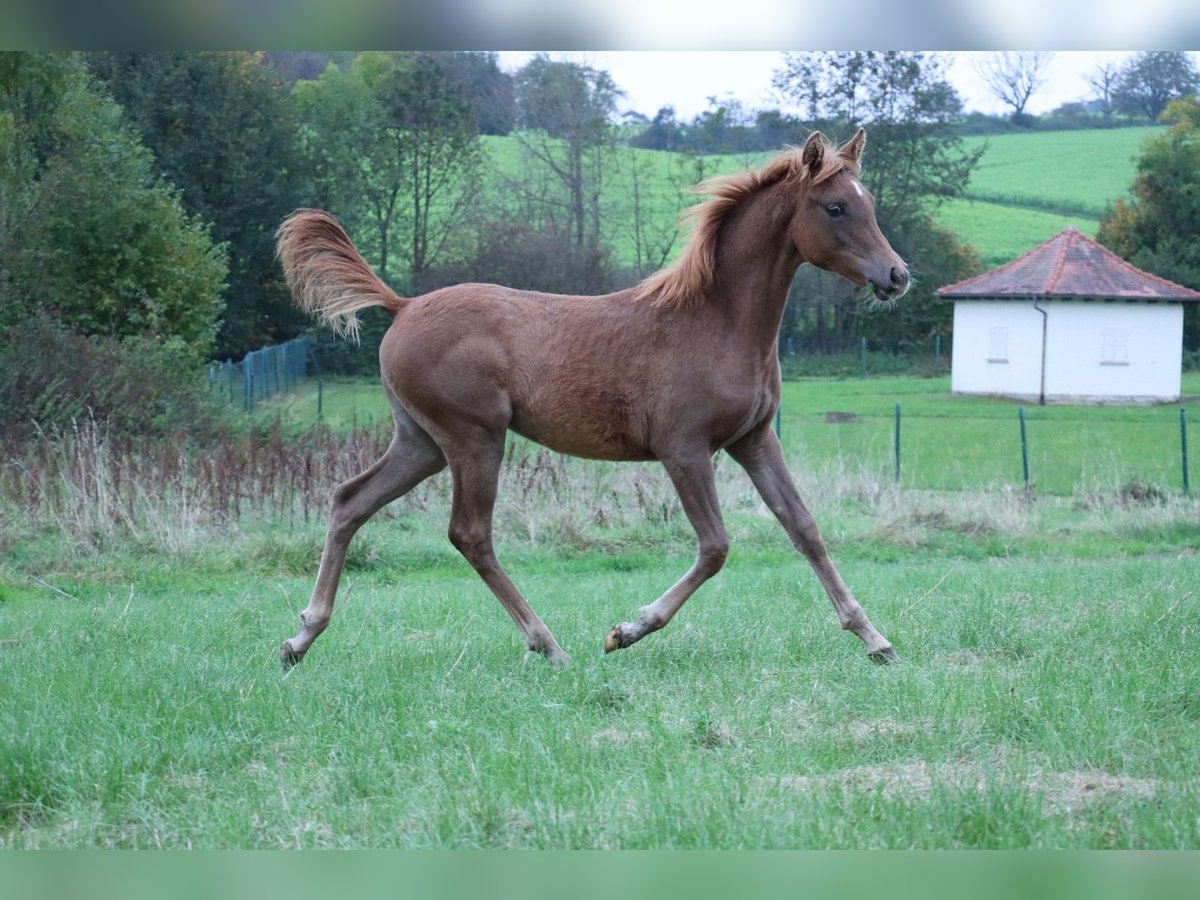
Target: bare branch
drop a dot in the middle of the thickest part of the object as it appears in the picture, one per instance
(1014, 76)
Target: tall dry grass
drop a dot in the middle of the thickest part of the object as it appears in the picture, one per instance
(101, 490)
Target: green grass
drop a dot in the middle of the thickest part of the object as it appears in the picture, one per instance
(1047, 698)
(1001, 232)
(1028, 187)
(1074, 172)
(955, 443)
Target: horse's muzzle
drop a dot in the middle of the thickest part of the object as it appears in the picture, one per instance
(896, 287)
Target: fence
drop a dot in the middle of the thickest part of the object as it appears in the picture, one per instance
(262, 373)
(957, 444)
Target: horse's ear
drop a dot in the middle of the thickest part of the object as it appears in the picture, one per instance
(853, 148)
(813, 153)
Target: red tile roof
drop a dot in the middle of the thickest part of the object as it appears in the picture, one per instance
(1070, 264)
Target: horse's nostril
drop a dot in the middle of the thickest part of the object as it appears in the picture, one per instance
(899, 277)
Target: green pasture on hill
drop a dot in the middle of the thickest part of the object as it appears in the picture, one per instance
(1071, 172)
(1026, 188)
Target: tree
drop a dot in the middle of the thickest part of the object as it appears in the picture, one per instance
(1151, 80)
(394, 144)
(1158, 229)
(566, 114)
(1014, 77)
(1103, 80)
(489, 90)
(223, 131)
(655, 217)
(663, 132)
(914, 160)
(89, 235)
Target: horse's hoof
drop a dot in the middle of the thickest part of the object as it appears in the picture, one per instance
(884, 656)
(288, 656)
(613, 640)
(559, 660)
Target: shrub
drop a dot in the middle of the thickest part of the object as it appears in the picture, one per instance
(51, 376)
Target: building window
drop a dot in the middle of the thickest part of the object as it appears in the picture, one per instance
(1114, 350)
(997, 345)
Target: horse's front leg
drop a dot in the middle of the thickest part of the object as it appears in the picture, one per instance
(693, 479)
(760, 455)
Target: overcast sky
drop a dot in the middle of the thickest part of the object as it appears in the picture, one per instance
(686, 79)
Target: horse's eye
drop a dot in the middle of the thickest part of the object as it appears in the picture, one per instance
(834, 210)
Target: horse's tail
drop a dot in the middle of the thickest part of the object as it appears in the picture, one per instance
(328, 276)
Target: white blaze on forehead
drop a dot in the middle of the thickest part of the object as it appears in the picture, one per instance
(858, 187)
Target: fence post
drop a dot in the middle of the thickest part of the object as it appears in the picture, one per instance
(937, 349)
(320, 376)
(1024, 449)
(248, 382)
(897, 444)
(1187, 488)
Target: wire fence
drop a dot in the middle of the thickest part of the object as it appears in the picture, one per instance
(262, 373)
(1052, 450)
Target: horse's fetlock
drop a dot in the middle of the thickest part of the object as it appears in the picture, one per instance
(313, 622)
(650, 618)
(855, 620)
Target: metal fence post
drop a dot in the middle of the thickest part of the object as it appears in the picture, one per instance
(897, 444)
(1187, 488)
(1024, 449)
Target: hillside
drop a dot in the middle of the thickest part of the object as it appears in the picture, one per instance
(1029, 186)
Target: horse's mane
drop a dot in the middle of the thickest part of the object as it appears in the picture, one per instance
(685, 282)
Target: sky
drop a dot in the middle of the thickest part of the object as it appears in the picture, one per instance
(686, 79)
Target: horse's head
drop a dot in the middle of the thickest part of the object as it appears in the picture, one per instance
(834, 226)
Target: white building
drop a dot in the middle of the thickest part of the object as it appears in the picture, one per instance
(1068, 322)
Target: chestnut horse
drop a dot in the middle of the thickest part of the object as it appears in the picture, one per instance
(675, 369)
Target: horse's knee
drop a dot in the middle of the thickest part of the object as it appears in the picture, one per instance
(474, 544)
(713, 555)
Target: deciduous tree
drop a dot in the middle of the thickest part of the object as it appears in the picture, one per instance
(1158, 228)
(566, 114)
(1014, 77)
(914, 160)
(89, 234)
(394, 144)
(222, 130)
(1151, 80)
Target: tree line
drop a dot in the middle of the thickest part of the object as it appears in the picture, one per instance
(140, 191)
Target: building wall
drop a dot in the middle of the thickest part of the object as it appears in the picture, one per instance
(979, 366)
(1096, 351)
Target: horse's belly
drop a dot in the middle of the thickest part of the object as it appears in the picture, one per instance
(580, 433)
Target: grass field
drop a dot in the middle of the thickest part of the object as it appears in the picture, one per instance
(1028, 187)
(1047, 698)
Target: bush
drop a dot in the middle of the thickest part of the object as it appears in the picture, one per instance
(51, 376)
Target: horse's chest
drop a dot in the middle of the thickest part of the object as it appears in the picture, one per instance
(741, 413)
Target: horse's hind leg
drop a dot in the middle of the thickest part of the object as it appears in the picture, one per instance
(410, 459)
(760, 455)
(694, 481)
(475, 465)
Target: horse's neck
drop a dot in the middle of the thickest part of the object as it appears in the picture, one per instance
(756, 261)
